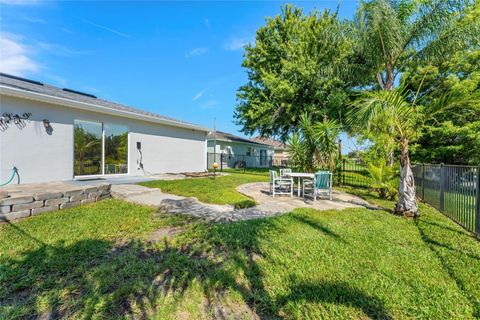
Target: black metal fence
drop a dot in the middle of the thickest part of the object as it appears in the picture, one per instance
(454, 190)
(242, 162)
(353, 173)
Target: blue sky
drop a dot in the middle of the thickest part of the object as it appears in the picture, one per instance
(180, 59)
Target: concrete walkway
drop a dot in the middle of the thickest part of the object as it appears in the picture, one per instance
(267, 206)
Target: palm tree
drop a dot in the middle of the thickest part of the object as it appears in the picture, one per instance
(390, 35)
(314, 145)
(399, 112)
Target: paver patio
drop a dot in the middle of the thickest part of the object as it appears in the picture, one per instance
(260, 192)
(267, 205)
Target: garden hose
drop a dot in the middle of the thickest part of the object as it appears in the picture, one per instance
(15, 172)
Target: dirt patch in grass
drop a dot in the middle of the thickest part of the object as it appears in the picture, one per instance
(162, 233)
(219, 306)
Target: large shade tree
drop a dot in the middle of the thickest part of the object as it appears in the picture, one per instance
(453, 136)
(297, 65)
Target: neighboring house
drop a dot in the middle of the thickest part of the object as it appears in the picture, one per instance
(234, 152)
(51, 134)
(281, 155)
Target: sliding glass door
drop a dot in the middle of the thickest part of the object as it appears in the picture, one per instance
(100, 148)
(88, 148)
(116, 149)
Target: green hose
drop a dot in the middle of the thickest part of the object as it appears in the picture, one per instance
(11, 178)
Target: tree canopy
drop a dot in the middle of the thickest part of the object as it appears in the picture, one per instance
(452, 136)
(311, 63)
(296, 66)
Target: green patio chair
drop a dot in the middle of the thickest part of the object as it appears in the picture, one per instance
(321, 183)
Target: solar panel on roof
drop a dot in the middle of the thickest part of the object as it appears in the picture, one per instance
(79, 92)
(20, 78)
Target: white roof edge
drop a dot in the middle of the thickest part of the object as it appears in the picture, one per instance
(20, 93)
(244, 142)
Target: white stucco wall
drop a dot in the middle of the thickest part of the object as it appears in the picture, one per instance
(41, 157)
(238, 148)
(236, 151)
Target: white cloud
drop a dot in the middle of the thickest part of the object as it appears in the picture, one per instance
(197, 96)
(34, 19)
(210, 104)
(15, 56)
(58, 49)
(237, 43)
(196, 52)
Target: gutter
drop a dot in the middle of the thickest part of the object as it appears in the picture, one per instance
(19, 93)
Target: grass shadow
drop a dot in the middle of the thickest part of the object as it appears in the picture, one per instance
(338, 293)
(450, 246)
(95, 278)
(317, 226)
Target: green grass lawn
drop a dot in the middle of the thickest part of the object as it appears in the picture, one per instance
(108, 260)
(457, 249)
(219, 190)
(252, 171)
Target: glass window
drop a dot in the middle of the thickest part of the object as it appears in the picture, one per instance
(116, 148)
(87, 148)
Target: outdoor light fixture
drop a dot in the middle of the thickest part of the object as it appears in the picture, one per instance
(47, 126)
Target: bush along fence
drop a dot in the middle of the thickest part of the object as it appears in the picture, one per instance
(454, 190)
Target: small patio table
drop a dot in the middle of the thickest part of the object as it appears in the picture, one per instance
(300, 176)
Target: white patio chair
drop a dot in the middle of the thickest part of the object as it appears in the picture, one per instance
(283, 172)
(321, 183)
(279, 185)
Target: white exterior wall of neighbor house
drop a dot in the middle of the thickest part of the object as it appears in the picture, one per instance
(235, 151)
(42, 157)
(239, 148)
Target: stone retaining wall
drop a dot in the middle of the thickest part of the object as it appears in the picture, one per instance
(21, 204)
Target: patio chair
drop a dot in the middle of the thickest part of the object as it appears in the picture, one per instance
(279, 185)
(285, 171)
(321, 183)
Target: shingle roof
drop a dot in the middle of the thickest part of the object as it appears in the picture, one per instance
(224, 136)
(271, 142)
(38, 87)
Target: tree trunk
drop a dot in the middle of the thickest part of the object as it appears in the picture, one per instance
(389, 81)
(389, 86)
(407, 202)
(390, 158)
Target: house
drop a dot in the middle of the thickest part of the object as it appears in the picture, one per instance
(231, 151)
(281, 157)
(54, 134)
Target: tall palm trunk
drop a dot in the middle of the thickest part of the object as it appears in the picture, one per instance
(407, 202)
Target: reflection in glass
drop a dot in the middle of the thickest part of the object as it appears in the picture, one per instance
(116, 149)
(87, 148)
